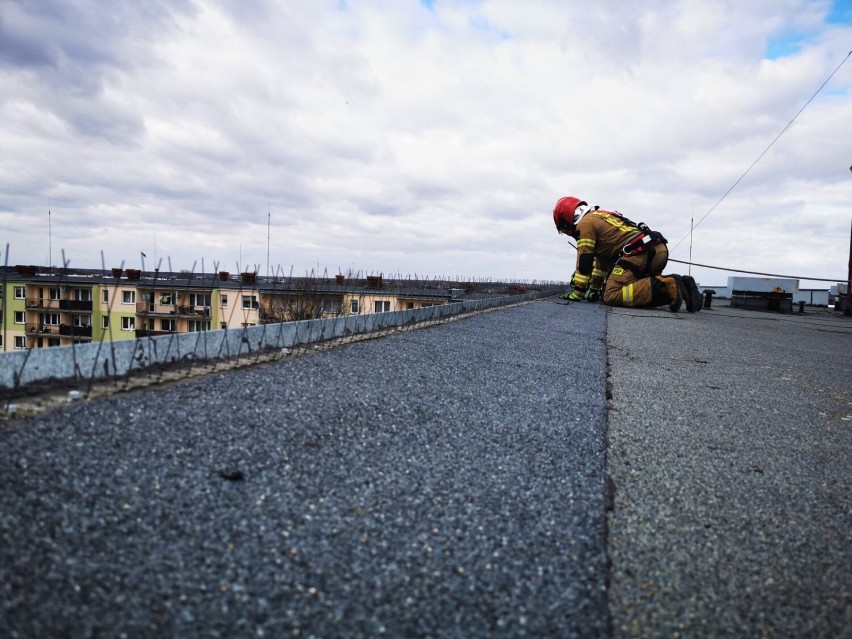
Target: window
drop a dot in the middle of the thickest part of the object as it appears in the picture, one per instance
(20, 293)
(223, 299)
(167, 299)
(128, 297)
(196, 326)
(250, 301)
(331, 307)
(410, 305)
(53, 293)
(81, 320)
(20, 341)
(105, 296)
(83, 294)
(199, 299)
(353, 306)
(168, 325)
(105, 321)
(53, 341)
(128, 323)
(20, 317)
(50, 319)
(382, 307)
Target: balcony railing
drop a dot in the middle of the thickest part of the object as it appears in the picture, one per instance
(43, 329)
(149, 333)
(75, 305)
(63, 305)
(75, 331)
(37, 302)
(192, 311)
(158, 310)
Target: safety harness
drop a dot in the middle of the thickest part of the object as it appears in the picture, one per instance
(644, 242)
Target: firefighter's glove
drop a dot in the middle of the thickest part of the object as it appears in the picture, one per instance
(575, 298)
(594, 295)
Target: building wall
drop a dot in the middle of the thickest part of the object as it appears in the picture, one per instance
(119, 306)
(242, 309)
(811, 297)
(82, 308)
(386, 301)
(763, 284)
(14, 333)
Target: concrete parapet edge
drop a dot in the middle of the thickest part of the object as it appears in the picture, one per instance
(105, 360)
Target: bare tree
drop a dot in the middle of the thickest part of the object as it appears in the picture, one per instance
(302, 301)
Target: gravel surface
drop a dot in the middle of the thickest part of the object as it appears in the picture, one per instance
(731, 451)
(446, 482)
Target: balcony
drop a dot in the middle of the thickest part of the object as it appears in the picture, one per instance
(148, 333)
(75, 305)
(75, 331)
(43, 329)
(38, 302)
(148, 309)
(202, 312)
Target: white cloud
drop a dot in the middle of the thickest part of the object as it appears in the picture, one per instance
(396, 137)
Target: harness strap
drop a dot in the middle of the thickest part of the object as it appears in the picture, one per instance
(639, 271)
(641, 242)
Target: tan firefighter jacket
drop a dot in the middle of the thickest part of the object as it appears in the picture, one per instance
(600, 236)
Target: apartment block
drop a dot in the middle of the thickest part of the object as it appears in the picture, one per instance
(42, 308)
(41, 312)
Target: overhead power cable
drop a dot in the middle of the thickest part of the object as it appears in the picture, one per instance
(736, 270)
(766, 150)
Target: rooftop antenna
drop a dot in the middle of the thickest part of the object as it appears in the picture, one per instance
(268, 228)
(847, 311)
(49, 239)
(691, 227)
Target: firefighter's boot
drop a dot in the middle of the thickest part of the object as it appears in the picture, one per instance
(691, 294)
(666, 290)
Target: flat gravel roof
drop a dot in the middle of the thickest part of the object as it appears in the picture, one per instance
(731, 454)
(445, 482)
(470, 479)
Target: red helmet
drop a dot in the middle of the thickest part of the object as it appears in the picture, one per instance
(567, 213)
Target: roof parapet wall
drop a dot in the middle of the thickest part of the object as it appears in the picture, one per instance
(103, 361)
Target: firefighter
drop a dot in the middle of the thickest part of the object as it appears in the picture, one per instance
(624, 257)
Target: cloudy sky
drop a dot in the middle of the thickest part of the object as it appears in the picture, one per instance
(423, 137)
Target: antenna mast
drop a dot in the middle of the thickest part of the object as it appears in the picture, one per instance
(689, 270)
(268, 234)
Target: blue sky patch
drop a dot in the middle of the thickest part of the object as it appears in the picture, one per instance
(784, 44)
(841, 12)
(790, 42)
